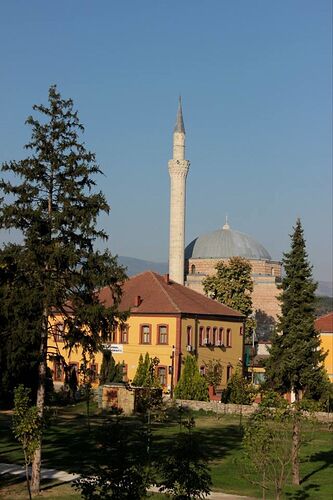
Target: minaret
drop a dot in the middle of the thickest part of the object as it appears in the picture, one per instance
(178, 169)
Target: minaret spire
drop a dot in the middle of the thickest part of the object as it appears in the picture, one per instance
(178, 169)
(179, 127)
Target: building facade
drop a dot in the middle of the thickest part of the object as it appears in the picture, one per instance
(170, 322)
(324, 325)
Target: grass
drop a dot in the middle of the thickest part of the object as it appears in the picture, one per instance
(69, 446)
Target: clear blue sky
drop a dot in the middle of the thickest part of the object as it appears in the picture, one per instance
(255, 77)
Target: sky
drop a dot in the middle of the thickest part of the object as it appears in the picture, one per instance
(255, 79)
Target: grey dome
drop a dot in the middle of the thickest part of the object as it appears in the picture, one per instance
(225, 243)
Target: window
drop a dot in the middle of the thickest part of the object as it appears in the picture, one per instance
(208, 335)
(112, 334)
(202, 370)
(201, 335)
(229, 372)
(124, 334)
(221, 336)
(162, 375)
(241, 330)
(162, 334)
(145, 334)
(58, 371)
(58, 332)
(189, 335)
(229, 333)
(214, 336)
(193, 269)
(93, 372)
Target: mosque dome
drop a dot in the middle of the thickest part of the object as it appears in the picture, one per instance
(225, 243)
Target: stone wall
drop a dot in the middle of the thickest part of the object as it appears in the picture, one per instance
(266, 275)
(231, 409)
(116, 396)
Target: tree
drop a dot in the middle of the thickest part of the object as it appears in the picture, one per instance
(27, 427)
(238, 391)
(295, 362)
(184, 470)
(19, 320)
(232, 285)
(213, 372)
(53, 205)
(141, 371)
(110, 370)
(191, 384)
(124, 473)
(145, 375)
(266, 448)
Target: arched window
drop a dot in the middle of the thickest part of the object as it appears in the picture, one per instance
(193, 269)
(201, 335)
(163, 334)
(145, 334)
(162, 375)
(214, 335)
(189, 335)
(229, 337)
(221, 336)
(208, 335)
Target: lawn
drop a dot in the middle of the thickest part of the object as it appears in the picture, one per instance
(69, 446)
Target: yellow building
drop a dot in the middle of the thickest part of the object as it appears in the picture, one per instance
(324, 325)
(169, 321)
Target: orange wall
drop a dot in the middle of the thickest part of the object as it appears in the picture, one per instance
(130, 352)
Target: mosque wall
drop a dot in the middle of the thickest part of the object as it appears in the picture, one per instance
(266, 276)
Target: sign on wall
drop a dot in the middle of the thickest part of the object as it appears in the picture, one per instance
(115, 348)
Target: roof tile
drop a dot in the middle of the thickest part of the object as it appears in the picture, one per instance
(158, 294)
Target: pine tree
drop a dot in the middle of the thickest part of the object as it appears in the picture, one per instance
(295, 362)
(191, 384)
(53, 205)
(140, 373)
(110, 370)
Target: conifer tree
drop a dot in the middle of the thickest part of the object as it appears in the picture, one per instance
(140, 373)
(295, 362)
(110, 370)
(49, 197)
(191, 384)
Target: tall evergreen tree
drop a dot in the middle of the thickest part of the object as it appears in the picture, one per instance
(20, 314)
(110, 370)
(191, 384)
(53, 205)
(295, 362)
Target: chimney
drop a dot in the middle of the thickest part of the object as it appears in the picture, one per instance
(166, 279)
(137, 301)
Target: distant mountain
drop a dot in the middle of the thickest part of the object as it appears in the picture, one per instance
(136, 266)
(325, 288)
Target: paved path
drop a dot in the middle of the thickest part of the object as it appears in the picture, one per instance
(18, 470)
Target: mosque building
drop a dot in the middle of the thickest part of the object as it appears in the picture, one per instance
(190, 265)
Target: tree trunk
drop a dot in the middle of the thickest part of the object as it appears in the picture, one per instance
(295, 443)
(40, 403)
(27, 473)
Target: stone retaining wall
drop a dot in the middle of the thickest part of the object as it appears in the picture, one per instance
(232, 409)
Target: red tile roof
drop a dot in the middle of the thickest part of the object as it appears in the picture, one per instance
(160, 295)
(325, 323)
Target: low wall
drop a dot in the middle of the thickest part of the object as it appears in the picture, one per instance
(232, 409)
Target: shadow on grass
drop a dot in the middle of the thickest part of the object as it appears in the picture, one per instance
(306, 492)
(217, 442)
(326, 457)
